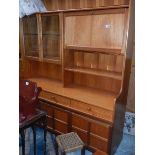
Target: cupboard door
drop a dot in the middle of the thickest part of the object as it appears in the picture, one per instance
(30, 30)
(98, 143)
(100, 129)
(51, 36)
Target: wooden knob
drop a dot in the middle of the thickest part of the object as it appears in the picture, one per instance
(89, 108)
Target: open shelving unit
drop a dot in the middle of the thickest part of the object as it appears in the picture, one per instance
(93, 49)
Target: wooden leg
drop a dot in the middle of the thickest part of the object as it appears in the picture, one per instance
(56, 148)
(63, 153)
(34, 138)
(83, 151)
(23, 141)
(45, 132)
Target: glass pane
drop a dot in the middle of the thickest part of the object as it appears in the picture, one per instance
(31, 45)
(51, 36)
(31, 36)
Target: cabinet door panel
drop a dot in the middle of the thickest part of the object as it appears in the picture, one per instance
(79, 122)
(102, 130)
(50, 122)
(98, 143)
(61, 115)
(81, 134)
(60, 127)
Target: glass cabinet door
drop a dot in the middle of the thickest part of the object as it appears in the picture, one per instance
(51, 37)
(31, 36)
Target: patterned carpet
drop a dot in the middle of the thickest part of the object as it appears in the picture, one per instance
(126, 147)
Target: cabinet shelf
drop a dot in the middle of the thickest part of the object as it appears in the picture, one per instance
(103, 73)
(113, 51)
(55, 60)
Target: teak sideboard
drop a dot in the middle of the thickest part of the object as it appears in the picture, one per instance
(80, 58)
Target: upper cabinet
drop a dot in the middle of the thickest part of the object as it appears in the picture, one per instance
(42, 37)
(101, 29)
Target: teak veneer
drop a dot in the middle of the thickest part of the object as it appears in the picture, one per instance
(78, 52)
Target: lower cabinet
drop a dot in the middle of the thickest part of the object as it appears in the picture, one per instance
(95, 134)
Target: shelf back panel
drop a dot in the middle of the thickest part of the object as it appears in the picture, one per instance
(95, 30)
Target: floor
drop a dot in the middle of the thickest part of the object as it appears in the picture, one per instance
(126, 147)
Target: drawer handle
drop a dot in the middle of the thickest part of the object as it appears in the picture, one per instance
(53, 98)
(89, 109)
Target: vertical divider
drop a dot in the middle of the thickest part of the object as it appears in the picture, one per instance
(39, 29)
(21, 34)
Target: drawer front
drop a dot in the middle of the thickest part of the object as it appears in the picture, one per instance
(79, 122)
(98, 143)
(81, 134)
(61, 115)
(92, 110)
(100, 129)
(55, 98)
(60, 126)
(47, 108)
(80, 106)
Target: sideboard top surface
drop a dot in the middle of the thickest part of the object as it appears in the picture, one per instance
(91, 96)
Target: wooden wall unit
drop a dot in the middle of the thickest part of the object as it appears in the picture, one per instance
(81, 65)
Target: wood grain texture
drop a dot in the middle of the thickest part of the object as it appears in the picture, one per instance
(88, 129)
(52, 5)
(98, 30)
(92, 96)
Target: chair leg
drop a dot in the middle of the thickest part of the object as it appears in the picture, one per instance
(56, 148)
(34, 138)
(23, 141)
(83, 151)
(45, 132)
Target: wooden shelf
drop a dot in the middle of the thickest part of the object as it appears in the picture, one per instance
(95, 72)
(55, 60)
(91, 96)
(92, 49)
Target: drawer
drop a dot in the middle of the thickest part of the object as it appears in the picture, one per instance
(55, 98)
(61, 115)
(100, 129)
(79, 122)
(80, 106)
(47, 108)
(92, 110)
(98, 143)
(60, 126)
